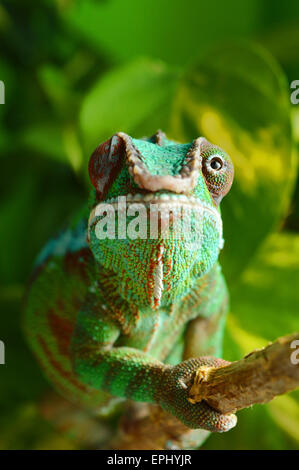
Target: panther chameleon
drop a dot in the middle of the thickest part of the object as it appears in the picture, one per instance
(135, 317)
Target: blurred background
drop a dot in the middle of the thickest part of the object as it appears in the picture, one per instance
(77, 71)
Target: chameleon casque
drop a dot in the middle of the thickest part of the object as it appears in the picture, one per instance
(135, 318)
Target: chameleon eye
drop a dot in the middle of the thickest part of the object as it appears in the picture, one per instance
(217, 169)
(216, 163)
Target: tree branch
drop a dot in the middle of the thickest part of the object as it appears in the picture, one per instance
(257, 378)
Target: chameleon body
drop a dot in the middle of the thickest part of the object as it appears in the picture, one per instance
(135, 317)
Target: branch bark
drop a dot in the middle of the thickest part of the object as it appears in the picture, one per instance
(257, 378)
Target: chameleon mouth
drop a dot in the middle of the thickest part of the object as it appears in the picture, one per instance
(163, 201)
(161, 198)
(169, 207)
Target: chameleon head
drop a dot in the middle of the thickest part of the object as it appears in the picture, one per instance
(155, 219)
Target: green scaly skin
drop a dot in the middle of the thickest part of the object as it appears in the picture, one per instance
(94, 317)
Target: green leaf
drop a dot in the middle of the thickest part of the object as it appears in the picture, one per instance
(56, 86)
(285, 412)
(175, 32)
(133, 98)
(237, 97)
(59, 142)
(44, 139)
(39, 199)
(265, 301)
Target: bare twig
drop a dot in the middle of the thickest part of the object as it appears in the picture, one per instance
(257, 378)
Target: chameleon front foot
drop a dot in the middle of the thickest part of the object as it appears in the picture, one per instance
(174, 397)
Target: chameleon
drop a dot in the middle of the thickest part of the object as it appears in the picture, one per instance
(134, 317)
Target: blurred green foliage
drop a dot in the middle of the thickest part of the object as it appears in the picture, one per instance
(75, 72)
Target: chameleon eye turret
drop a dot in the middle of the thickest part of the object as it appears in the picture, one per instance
(218, 170)
(133, 315)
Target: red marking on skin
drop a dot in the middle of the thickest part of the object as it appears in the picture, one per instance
(62, 329)
(105, 164)
(58, 367)
(150, 280)
(126, 287)
(51, 375)
(93, 165)
(168, 267)
(77, 262)
(117, 148)
(136, 316)
(119, 316)
(159, 260)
